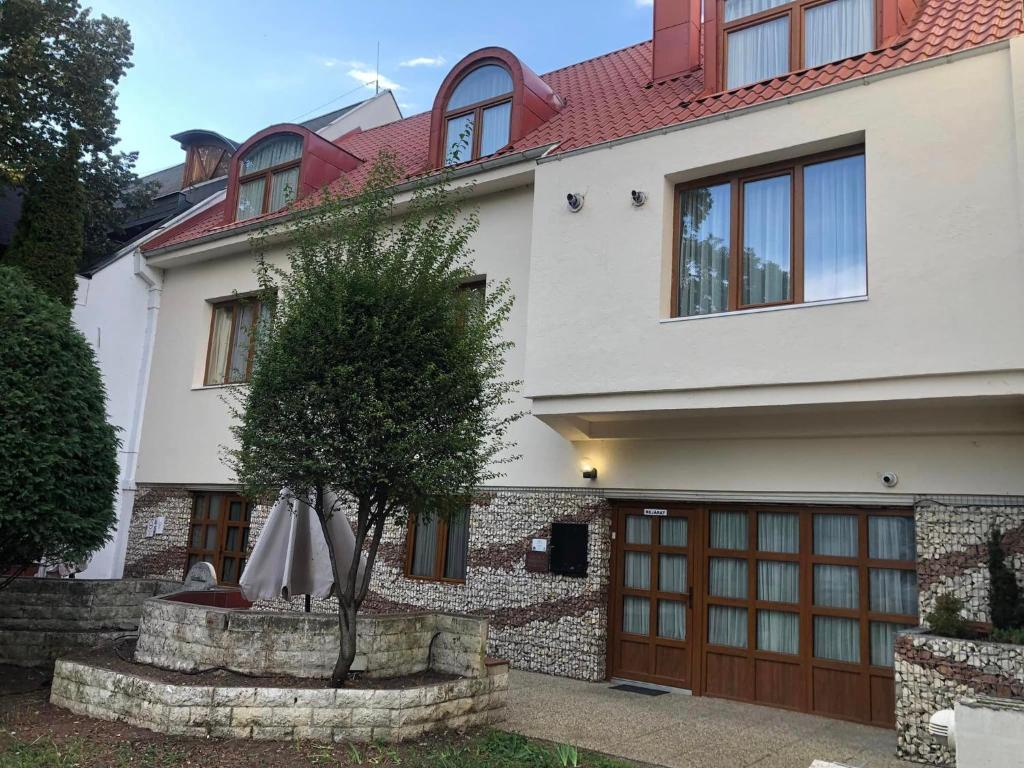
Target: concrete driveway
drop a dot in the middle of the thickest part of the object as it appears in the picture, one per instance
(681, 731)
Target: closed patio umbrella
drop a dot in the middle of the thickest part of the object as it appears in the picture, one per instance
(290, 557)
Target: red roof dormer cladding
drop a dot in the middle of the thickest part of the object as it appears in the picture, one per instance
(676, 38)
(533, 101)
(321, 164)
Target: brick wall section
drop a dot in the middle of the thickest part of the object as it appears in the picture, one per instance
(163, 555)
(933, 673)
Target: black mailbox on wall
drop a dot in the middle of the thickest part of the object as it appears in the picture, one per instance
(569, 548)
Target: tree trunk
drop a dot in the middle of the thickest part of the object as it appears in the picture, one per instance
(347, 651)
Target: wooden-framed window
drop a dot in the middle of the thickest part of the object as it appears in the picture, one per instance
(437, 548)
(478, 115)
(782, 234)
(232, 334)
(269, 176)
(219, 534)
(762, 39)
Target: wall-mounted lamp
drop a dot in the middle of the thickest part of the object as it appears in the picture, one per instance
(589, 470)
(638, 198)
(575, 202)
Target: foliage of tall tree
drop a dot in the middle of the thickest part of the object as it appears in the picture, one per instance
(59, 68)
(58, 454)
(47, 243)
(377, 377)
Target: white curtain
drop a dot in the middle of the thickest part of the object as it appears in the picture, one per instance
(457, 547)
(758, 53)
(483, 83)
(704, 250)
(672, 573)
(250, 199)
(835, 234)
(671, 620)
(424, 554)
(495, 130)
(729, 530)
(883, 638)
(778, 631)
(278, 149)
(636, 615)
(637, 570)
(837, 586)
(727, 577)
(283, 187)
(459, 140)
(217, 362)
(893, 591)
(767, 240)
(891, 538)
(674, 531)
(837, 639)
(835, 535)
(245, 320)
(638, 529)
(837, 30)
(737, 9)
(778, 582)
(727, 626)
(778, 532)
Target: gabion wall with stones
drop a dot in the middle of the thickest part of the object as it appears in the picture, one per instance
(42, 619)
(538, 621)
(933, 673)
(952, 552)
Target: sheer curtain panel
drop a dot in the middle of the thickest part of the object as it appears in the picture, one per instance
(705, 219)
(891, 538)
(727, 626)
(457, 546)
(767, 240)
(837, 638)
(729, 530)
(757, 53)
(424, 547)
(483, 83)
(835, 230)
(737, 9)
(495, 130)
(838, 30)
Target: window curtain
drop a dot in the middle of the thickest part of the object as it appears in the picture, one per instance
(727, 626)
(638, 530)
(835, 535)
(835, 234)
(837, 586)
(245, 318)
(893, 591)
(891, 538)
(495, 131)
(883, 640)
(837, 639)
(778, 582)
(778, 532)
(637, 570)
(636, 615)
(837, 30)
(458, 140)
(424, 554)
(217, 363)
(758, 53)
(283, 188)
(729, 530)
(737, 9)
(250, 199)
(674, 531)
(672, 573)
(727, 577)
(671, 620)
(705, 220)
(278, 149)
(483, 83)
(778, 631)
(457, 548)
(767, 240)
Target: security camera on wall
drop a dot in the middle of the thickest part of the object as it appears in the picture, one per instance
(574, 201)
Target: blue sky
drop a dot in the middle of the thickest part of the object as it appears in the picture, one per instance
(236, 67)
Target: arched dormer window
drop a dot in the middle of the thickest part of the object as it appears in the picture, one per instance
(478, 116)
(269, 176)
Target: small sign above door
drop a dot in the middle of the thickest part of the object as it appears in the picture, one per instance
(656, 512)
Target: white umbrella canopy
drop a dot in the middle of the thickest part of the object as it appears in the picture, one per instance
(291, 558)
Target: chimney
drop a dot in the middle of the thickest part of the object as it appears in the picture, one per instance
(676, 37)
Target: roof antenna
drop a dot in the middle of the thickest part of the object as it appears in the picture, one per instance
(376, 82)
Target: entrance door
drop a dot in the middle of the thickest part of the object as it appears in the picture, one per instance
(652, 589)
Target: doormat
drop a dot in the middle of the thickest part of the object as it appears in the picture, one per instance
(638, 689)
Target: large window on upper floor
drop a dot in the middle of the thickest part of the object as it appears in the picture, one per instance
(782, 234)
(232, 340)
(269, 176)
(478, 115)
(769, 38)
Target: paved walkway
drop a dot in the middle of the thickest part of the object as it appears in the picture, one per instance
(681, 731)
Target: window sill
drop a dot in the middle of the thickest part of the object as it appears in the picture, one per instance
(197, 387)
(433, 580)
(759, 310)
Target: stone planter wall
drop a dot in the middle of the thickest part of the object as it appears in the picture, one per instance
(190, 638)
(281, 713)
(42, 619)
(934, 673)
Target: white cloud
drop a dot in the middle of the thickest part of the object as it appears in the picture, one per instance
(330, 62)
(644, 3)
(368, 78)
(424, 61)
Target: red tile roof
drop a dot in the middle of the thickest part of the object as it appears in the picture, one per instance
(610, 97)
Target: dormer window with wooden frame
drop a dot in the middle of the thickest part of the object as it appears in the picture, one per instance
(478, 116)
(762, 39)
(269, 176)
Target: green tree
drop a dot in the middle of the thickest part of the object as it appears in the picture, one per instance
(377, 377)
(59, 69)
(47, 243)
(58, 454)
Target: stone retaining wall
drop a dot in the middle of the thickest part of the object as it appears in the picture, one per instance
(934, 673)
(42, 619)
(189, 638)
(281, 713)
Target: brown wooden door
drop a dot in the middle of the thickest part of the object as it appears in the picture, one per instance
(652, 586)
